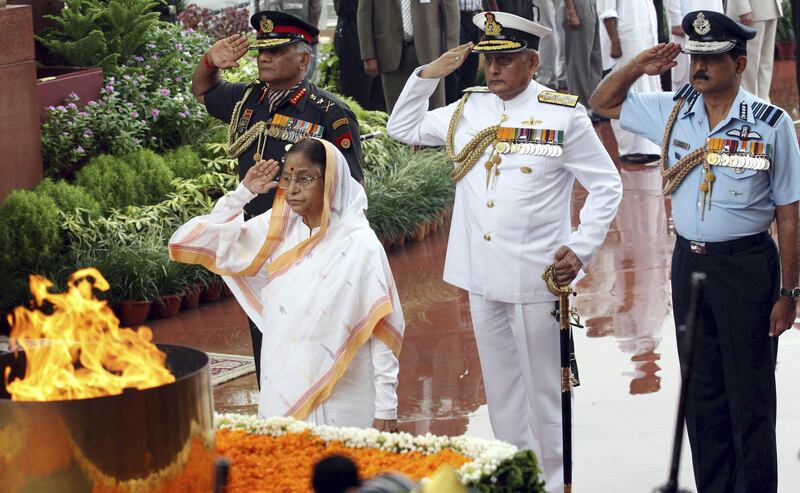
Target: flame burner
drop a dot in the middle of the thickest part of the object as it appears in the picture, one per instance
(151, 440)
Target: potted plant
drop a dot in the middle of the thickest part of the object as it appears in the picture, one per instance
(194, 284)
(171, 283)
(212, 288)
(784, 34)
(131, 272)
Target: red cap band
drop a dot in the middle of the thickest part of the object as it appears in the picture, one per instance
(294, 30)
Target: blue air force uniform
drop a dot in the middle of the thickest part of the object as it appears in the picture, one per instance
(722, 211)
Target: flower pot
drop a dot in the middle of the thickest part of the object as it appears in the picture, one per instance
(785, 50)
(133, 313)
(211, 293)
(226, 291)
(54, 84)
(421, 232)
(167, 306)
(191, 298)
(400, 240)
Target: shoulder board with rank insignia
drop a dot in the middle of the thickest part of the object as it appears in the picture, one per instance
(559, 98)
(767, 113)
(685, 92)
(475, 89)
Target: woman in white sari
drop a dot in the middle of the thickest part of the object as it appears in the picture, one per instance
(315, 279)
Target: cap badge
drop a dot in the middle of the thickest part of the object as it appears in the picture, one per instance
(266, 25)
(491, 27)
(701, 24)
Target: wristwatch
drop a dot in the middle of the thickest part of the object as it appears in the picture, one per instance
(793, 293)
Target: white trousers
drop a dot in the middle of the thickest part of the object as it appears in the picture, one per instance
(518, 347)
(757, 77)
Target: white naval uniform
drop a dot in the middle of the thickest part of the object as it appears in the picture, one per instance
(501, 239)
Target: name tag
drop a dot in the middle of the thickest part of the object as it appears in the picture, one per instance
(681, 144)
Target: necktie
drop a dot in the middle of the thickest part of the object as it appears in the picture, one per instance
(408, 28)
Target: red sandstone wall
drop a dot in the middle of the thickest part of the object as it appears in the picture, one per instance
(20, 144)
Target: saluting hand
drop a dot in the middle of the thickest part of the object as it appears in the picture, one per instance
(448, 62)
(260, 178)
(566, 265)
(782, 317)
(226, 52)
(658, 59)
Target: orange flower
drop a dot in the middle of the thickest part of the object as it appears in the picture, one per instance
(262, 463)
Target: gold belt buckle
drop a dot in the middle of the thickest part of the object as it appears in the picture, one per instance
(697, 247)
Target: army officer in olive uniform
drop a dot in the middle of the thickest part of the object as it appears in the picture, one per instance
(267, 115)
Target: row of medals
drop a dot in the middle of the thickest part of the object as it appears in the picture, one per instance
(534, 149)
(738, 161)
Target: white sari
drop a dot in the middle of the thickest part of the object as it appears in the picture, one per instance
(325, 300)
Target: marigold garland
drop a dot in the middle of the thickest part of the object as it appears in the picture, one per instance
(284, 463)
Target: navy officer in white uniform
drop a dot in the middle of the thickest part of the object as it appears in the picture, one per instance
(732, 166)
(517, 149)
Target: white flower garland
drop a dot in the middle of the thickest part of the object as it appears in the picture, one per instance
(486, 455)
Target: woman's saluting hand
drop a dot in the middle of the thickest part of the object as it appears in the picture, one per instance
(261, 177)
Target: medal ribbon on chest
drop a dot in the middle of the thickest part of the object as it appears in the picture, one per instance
(532, 141)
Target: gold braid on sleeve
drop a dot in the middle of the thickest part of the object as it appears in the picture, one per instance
(674, 175)
(466, 159)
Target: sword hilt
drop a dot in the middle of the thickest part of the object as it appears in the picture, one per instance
(549, 277)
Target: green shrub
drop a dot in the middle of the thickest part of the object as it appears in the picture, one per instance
(184, 162)
(30, 233)
(68, 197)
(138, 178)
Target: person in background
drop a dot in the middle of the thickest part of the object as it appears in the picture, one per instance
(467, 74)
(676, 11)
(335, 474)
(631, 24)
(396, 36)
(761, 15)
(582, 44)
(355, 83)
(731, 164)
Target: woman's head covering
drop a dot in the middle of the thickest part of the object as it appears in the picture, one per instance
(317, 299)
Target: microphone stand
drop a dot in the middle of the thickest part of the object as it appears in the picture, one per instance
(687, 330)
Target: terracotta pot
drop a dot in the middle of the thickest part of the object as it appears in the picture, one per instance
(400, 240)
(133, 313)
(421, 232)
(167, 306)
(226, 291)
(785, 50)
(191, 298)
(211, 293)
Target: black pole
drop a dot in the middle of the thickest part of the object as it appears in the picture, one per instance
(686, 333)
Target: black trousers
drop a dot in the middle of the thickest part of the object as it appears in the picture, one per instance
(730, 413)
(255, 338)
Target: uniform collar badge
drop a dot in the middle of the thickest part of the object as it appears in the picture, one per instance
(266, 25)
(743, 133)
(701, 24)
(492, 27)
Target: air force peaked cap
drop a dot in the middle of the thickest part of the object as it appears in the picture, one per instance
(712, 32)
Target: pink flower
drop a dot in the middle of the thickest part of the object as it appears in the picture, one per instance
(165, 92)
(72, 106)
(80, 150)
(154, 113)
(134, 114)
(83, 114)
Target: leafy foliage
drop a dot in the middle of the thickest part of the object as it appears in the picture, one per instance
(30, 236)
(138, 178)
(184, 162)
(98, 33)
(520, 474)
(67, 197)
(329, 69)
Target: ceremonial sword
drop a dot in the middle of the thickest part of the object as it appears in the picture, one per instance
(564, 315)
